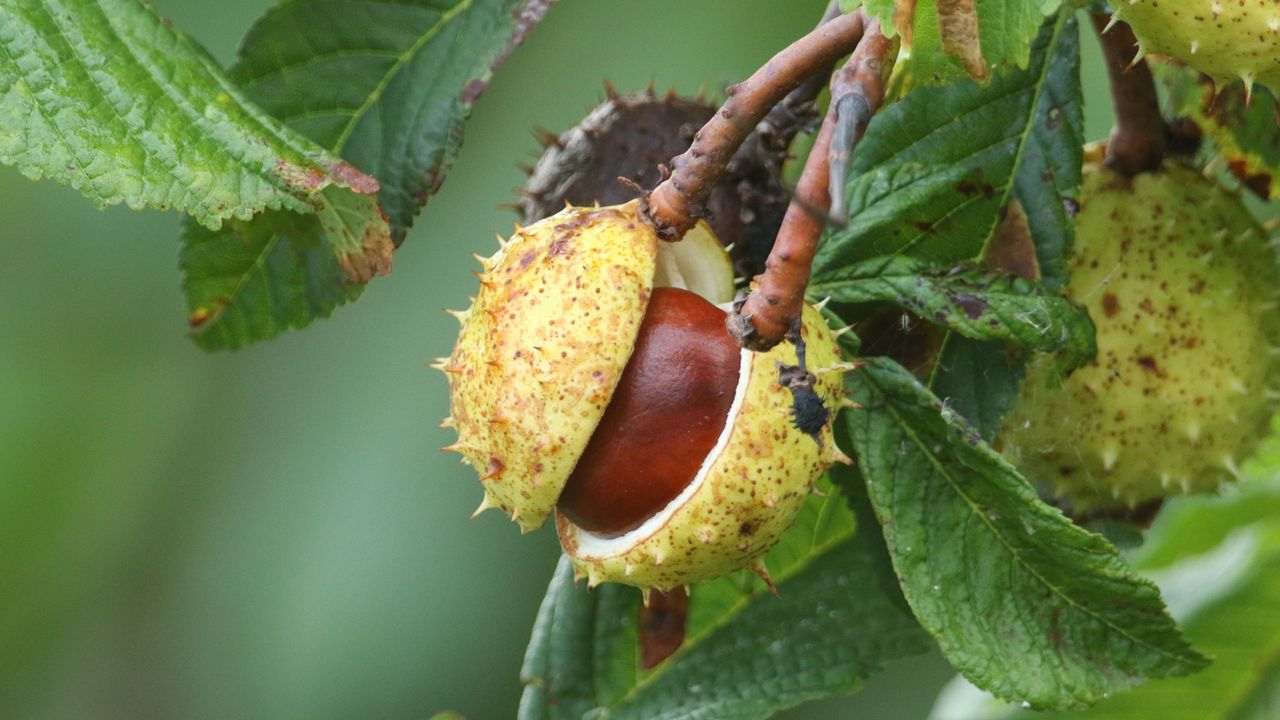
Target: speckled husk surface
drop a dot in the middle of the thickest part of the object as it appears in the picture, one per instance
(542, 348)
(1226, 39)
(1180, 283)
(746, 495)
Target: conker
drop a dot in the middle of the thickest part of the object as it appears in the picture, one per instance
(666, 414)
(593, 377)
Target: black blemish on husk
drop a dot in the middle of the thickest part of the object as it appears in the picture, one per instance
(809, 412)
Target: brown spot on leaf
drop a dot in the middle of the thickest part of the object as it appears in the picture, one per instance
(346, 175)
(1259, 183)
(473, 89)
(373, 257)
(1011, 248)
(958, 24)
(973, 188)
(904, 14)
(662, 626)
(972, 305)
(199, 316)
(308, 179)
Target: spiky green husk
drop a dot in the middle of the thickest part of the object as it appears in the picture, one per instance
(748, 492)
(1180, 283)
(1226, 39)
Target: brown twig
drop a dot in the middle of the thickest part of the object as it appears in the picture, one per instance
(674, 206)
(773, 308)
(1137, 141)
(797, 111)
(755, 173)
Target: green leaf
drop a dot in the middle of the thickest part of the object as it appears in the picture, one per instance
(1194, 526)
(935, 169)
(934, 174)
(1021, 601)
(110, 99)
(837, 618)
(386, 85)
(979, 304)
(1005, 29)
(279, 273)
(1218, 563)
(981, 379)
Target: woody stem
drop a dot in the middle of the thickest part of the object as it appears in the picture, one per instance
(675, 204)
(773, 309)
(1137, 141)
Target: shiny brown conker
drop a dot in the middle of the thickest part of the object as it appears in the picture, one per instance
(663, 420)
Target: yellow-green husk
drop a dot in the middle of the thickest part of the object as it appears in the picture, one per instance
(1180, 283)
(1225, 39)
(755, 482)
(541, 350)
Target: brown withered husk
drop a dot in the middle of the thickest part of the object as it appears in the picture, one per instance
(631, 136)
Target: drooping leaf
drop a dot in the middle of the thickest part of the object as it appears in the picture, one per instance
(977, 303)
(1217, 560)
(280, 272)
(981, 378)
(386, 85)
(1024, 603)
(112, 100)
(837, 618)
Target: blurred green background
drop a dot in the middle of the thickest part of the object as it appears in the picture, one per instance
(273, 533)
